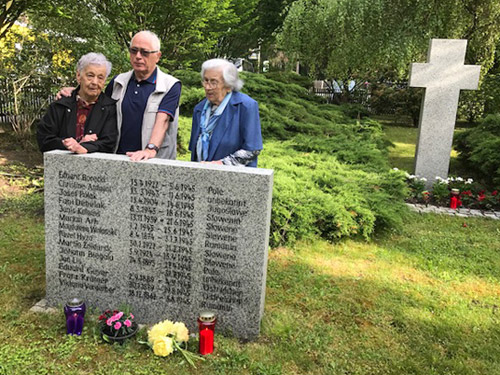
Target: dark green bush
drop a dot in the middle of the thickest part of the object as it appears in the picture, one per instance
(396, 99)
(332, 177)
(192, 91)
(315, 194)
(189, 98)
(188, 78)
(479, 148)
(490, 90)
(290, 77)
(354, 110)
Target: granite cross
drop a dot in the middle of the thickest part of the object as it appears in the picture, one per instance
(443, 76)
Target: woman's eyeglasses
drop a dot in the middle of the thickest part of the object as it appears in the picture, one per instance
(210, 83)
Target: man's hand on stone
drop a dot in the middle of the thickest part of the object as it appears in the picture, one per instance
(89, 138)
(65, 91)
(72, 145)
(141, 155)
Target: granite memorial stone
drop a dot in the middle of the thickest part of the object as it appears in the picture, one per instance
(443, 76)
(167, 238)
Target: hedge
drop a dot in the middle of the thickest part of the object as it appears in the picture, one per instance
(332, 177)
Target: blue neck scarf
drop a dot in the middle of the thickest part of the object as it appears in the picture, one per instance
(207, 125)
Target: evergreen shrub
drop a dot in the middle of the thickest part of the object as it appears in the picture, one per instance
(355, 110)
(192, 91)
(479, 148)
(290, 77)
(332, 178)
(396, 99)
(315, 194)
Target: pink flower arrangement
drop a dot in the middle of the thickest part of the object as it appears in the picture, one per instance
(117, 323)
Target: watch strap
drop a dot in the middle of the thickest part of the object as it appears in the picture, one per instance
(152, 146)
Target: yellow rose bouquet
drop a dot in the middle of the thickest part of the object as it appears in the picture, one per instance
(166, 337)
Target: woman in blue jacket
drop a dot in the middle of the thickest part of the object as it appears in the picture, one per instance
(226, 124)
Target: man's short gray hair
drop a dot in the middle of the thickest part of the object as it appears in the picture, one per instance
(229, 72)
(93, 58)
(154, 38)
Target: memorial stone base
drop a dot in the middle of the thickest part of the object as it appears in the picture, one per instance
(167, 238)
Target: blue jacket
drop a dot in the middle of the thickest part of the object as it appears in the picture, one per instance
(238, 128)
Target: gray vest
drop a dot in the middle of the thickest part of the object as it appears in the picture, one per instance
(164, 82)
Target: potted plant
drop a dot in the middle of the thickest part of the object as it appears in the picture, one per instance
(117, 326)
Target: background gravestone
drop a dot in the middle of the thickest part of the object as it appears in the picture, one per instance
(443, 76)
(168, 238)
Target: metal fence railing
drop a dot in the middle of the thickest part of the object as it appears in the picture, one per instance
(325, 93)
(34, 96)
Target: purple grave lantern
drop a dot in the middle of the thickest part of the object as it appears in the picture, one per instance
(75, 312)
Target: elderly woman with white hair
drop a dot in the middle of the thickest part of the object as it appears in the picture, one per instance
(226, 124)
(85, 121)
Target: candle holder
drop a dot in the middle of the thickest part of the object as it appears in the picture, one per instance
(206, 326)
(454, 200)
(75, 312)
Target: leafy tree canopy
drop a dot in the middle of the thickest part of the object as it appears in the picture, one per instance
(9, 13)
(190, 30)
(371, 38)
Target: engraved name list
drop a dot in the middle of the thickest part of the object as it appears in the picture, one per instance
(167, 238)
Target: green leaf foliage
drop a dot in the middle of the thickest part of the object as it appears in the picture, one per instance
(315, 194)
(345, 39)
(332, 177)
(479, 148)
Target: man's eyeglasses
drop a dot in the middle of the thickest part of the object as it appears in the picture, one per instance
(144, 52)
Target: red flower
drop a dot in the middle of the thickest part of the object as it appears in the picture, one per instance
(494, 193)
(101, 317)
(481, 196)
(464, 224)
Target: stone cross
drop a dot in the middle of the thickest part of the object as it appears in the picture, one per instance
(443, 76)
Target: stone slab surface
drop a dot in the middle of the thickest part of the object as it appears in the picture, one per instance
(168, 238)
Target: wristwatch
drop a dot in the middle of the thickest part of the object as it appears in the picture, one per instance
(152, 146)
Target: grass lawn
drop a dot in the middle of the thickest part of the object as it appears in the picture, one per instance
(421, 300)
(424, 300)
(402, 154)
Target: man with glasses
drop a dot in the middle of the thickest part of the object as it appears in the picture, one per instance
(148, 103)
